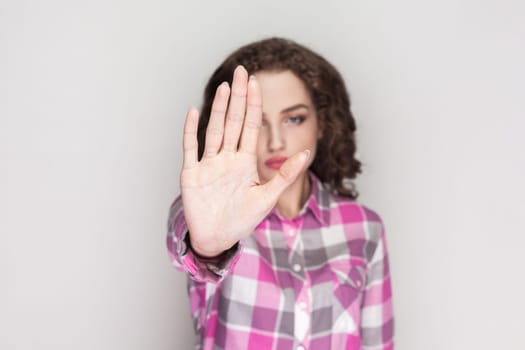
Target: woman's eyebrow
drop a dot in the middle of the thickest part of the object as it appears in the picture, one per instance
(291, 108)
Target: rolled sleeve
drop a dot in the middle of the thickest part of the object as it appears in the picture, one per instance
(183, 258)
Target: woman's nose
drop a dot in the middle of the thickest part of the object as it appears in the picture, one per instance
(276, 141)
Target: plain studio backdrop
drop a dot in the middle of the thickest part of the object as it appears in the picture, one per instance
(93, 99)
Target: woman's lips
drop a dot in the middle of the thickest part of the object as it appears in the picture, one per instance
(275, 162)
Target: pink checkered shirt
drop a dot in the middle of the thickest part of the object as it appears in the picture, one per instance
(318, 281)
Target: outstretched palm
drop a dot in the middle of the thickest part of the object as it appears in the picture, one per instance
(222, 198)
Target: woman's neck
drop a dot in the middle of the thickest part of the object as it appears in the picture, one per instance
(294, 197)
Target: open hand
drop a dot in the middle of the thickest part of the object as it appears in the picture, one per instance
(222, 198)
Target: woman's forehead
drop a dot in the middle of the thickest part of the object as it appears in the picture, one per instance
(282, 90)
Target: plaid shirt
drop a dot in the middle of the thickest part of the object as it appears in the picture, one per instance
(318, 281)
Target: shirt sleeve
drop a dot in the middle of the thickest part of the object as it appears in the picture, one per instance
(197, 296)
(184, 260)
(377, 322)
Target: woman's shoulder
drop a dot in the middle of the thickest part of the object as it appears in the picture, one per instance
(359, 222)
(353, 209)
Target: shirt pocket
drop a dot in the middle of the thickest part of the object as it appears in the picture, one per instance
(349, 284)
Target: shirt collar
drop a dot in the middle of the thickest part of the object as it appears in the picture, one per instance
(318, 199)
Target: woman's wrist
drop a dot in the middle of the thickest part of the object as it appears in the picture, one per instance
(205, 257)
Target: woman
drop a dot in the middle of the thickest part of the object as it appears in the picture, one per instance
(278, 252)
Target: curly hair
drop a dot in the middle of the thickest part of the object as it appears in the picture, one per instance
(335, 163)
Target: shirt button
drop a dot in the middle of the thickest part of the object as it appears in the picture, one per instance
(297, 267)
(291, 233)
(302, 305)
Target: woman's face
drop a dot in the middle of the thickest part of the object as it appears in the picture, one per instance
(289, 123)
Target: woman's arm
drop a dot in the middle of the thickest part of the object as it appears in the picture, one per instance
(377, 322)
(185, 259)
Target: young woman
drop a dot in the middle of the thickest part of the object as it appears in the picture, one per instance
(279, 253)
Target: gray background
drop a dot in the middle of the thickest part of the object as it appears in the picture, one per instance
(93, 97)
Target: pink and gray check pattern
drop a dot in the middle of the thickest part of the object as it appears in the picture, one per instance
(319, 281)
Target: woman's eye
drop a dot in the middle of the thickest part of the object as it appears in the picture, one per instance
(295, 120)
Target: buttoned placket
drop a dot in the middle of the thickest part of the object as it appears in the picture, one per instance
(291, 230)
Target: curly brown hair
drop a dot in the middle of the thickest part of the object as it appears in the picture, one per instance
(335, 163)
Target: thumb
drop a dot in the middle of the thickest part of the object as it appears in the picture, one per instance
(286, 175)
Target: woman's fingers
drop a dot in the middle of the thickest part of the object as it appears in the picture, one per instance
(253, 119)
(236, 110)
(215, 129)
(189, 139)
